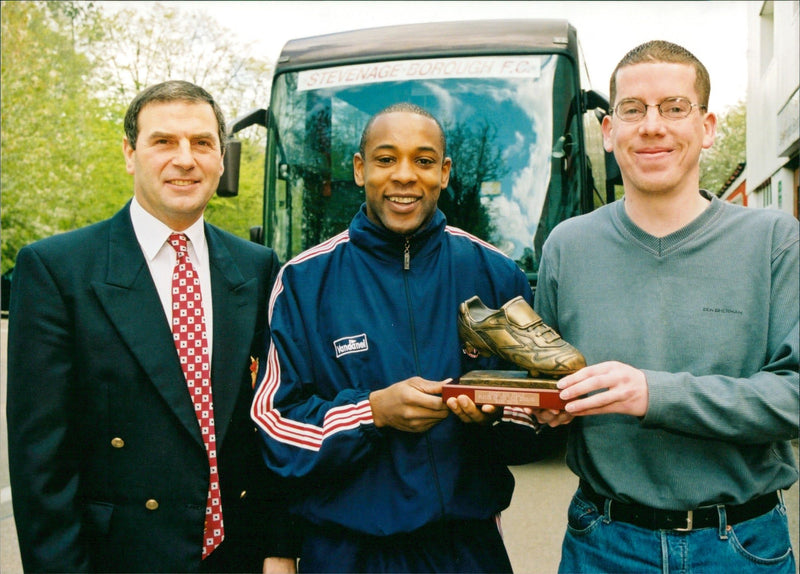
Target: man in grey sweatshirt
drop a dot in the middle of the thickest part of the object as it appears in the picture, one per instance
(686, 310)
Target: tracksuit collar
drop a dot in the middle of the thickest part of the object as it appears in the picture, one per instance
(391, 246)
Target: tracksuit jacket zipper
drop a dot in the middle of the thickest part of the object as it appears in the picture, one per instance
(431, 458)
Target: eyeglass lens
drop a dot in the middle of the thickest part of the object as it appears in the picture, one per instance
(671, 108)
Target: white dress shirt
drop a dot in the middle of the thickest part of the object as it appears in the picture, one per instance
(153, 237)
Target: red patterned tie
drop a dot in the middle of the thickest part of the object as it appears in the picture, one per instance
(189, 333)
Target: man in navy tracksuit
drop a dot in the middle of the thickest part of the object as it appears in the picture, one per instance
(364, 335)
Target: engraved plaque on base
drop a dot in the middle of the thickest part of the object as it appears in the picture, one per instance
(506, 388)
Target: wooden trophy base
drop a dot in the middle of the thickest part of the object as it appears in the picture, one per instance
(506, 388)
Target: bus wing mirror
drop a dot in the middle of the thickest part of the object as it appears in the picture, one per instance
(599, 103)
(229, 182)
(613, 176)
(593, 100)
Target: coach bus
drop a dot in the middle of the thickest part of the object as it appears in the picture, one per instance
(522, 127)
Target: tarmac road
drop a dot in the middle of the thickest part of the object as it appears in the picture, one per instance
(533, 525)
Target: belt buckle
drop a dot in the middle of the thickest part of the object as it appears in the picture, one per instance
(689, 519)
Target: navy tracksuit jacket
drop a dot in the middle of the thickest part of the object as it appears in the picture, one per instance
(357, 313)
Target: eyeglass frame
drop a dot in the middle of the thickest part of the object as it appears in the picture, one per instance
(614, 112)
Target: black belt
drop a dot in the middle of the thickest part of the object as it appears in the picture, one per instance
(683, 520)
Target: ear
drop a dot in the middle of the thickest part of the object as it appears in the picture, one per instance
(128, 152)
(709, 130)
(358, 169)
(607, 131)
(447, 164)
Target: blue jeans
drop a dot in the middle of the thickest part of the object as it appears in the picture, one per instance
(593, 543)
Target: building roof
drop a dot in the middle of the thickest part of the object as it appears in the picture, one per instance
(737, 171)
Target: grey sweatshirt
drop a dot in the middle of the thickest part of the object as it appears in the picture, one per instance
(710, 314)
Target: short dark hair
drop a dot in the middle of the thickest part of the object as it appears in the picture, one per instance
(401, 107)
(666, 52)
(170, 91)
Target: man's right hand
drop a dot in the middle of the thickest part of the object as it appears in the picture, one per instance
(413, 405)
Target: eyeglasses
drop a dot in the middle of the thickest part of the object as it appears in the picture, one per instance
(633, 110)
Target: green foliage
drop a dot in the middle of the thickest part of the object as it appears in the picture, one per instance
(729, 149)
(69, 70)
(57, 174)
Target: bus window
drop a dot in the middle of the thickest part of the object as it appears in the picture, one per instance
(513, 128)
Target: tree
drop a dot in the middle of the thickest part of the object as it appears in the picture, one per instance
(54, 136)
(141, 48)
(729, 149)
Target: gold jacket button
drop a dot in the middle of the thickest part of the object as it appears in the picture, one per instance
(243, 494)
(117, 442)
(151, 504)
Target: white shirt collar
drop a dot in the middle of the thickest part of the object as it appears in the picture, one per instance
(152, 233)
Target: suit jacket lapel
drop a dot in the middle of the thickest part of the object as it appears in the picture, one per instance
(235, 313)
(129, 297)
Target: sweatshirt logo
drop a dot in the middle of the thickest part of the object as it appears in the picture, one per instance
(351, 344)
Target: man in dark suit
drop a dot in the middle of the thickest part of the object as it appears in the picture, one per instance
(113, 468)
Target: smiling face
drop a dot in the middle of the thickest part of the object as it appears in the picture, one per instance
(657, 155)
(177, 161)
(402, 170)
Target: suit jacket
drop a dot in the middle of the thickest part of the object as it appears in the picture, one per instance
(108, 468)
